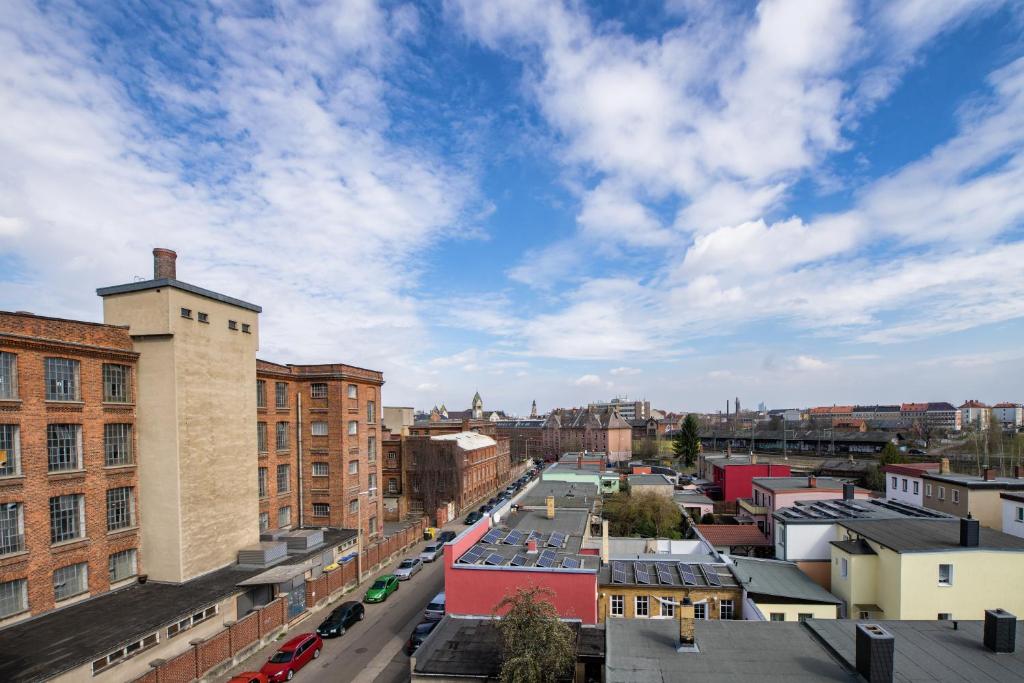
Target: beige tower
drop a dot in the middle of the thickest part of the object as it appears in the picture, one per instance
(196, 420)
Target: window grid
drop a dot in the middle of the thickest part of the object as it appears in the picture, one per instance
(371, 448)
(392, 486)
(353, 506)
(117, 383)
(282, 436)
(13, 597)
(353, 428)
(726, 609)
(321, 469)
(261, 437)
(61, 379)
(263, 482)
(371, 412)
(372, 484)
(618, 605)
(319, 428)
(700, 610)
(117, 444)
(668, 606)
(261, 394)
(641, 606)
(70, 581)
(122, 565)
(63, 447)
(264, 521)
(318, 390)
(284, 483)
(65, 518)
(12, 528)
(321, 510)
(281, 394)
(8, 376)
(120, 508)
(353, 392)
(10, 450)
(284, 516)
(353, 467)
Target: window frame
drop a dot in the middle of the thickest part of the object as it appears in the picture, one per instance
(55, 443)
(8, 370)
(353, 467)
(280, 395)
(261, 393)
(318, 428)
(60, 375)
(262, 437)
(81, 573)
(59, 536)
(352, 391)
(324, 509)
(617, 606)
(949, 574)
(20, 602)
(122, 516)
(12, 443)
(114, 442)
(111, 382)
(262, 478)
(284, 469)
(134, 569)
(12, 528)
(318, 390)
(723, 605)
(284, 516)
(281, 436)
(645, 602)
(353, 428)
(321, 469)
(700, 610)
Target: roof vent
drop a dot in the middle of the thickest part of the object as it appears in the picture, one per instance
(970, 532)
(1000, 631)
(876, 650)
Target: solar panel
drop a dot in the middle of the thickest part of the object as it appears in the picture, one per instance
(571, 563)
(686, 572)
(534, 536)
(546, 559)
(618, 572)
(471, 557)
(494, 559)
(492, 536)
(519, 560)
(664, 575)
(642, 576)
(515, 537)
(711, 575)
(557, 539)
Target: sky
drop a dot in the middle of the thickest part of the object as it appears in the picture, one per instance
(789, 202)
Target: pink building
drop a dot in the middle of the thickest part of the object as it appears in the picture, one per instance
(772, 493)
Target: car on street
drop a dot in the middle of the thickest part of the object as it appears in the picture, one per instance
(419, 634)
(339, 620)
(408, 567)
(474, 517)
(381, 588)
(446, 536)
(432, 551)
(494, 501)
(485, 508)
(435, 608)
(292, 656)
(249, 677)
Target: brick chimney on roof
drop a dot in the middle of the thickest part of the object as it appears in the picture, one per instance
(163, 264)
(944, 466)
(990, 473)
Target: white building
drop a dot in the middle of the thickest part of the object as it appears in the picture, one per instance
(1013, 513)
(904, 483)
(974, 414)
(1010, 415)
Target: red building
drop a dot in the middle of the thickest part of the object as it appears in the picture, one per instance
(732, 475)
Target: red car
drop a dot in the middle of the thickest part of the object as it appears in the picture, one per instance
(249, 677)
(293, 655)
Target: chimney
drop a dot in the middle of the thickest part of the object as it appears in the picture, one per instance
(1017, 471)
(849, 490)
(1000, 631)
(753, 458)
(970, 532)
(465, 425)
(579, 461)
(876, 649)
(551, 507)
(990, 473)
(531, 546)
(944, 466)
(163, 264)
(686, 639)
(728, 450)
(604, 541)
(812, 481)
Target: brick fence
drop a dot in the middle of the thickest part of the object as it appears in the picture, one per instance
(224, 648)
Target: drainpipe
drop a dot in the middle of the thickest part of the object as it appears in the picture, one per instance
(298, 450)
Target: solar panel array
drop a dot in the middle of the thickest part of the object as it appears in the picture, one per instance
(547, 559)
(665, 573)
(515, 537)
(618, 572)
(492, 536)
(519, 560)
(711, 575)
(494, 559)
(640, 570)
(571, 563)
(686, 571)
(534, 536)
(557, 539)
(472, 555)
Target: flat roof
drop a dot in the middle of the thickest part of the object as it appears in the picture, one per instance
(561, 538)
(699, 574)
(795, 483)
(692, 498)
(568, 494)
(176, 284)
(779, 579)
(975, 482)
(925, 535)
(649, 480)
(467, 441)
(828, 511)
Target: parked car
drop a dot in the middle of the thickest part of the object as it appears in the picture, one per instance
(446, 536)
(381, 588)
(435, 609)
(419, 634)
(339, 621)
(250, 677)
(494, 501)
(408, 567)
(484, 509)
(474, 517)
(292, 656)
(432, 551)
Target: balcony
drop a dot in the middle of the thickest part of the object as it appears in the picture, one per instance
(750, 508)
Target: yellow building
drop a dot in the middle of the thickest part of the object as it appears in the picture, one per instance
(654, 590)
(922, 569)
(780, 591)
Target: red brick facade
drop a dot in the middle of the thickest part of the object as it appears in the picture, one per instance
(76, 470)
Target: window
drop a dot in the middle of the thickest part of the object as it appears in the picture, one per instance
(917, 487)
(726, 609)
(700, 610)
(321, 510)
(281, 394)
(186, 313)
(371, 448)
(778, 616)
(904, 485)
(12, 528)
(392, 458)
(942, 493)
(64, 447)
(928, 490)
(1020, 514)
(892, 481)
(189, 622)
(945, 575)
(945, 616)
(284, 480)
(641, 606)
(8, 375)
(373, 525)
(120, 508)
(955, 494)
(261, 394)
(117, 444)
(245, 328)
(844, 567)
(232, 324)
(61, 379)
(393, 486)
(321, 469)
(353, 467)
(353, 428)
(318, 390)
(126, 652)
(203, 318)
(353, 506)
(319, 429)
(122, 565)
(261, 437)
(264, 521)
(668, 606)
(352, 391)
(804, 616)
(13, 597)
(282, 436)
(117, 383)
(372, 484)
(67, 520)
(10, 450)
(263, 482)
(70, 581)
(618, 605)
(863, 615)
(284, 516)
(371, 412)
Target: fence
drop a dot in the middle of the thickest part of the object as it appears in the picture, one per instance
(238, 639)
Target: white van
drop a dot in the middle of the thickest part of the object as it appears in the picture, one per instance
(435, 610)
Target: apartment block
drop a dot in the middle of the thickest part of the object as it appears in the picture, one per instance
(69, 515)
(974, 415)
(968, 494)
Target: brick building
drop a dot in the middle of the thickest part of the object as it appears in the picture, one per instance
(587, 429)
(68, 482)
(525, 437)
(325, 421)
(393, 477)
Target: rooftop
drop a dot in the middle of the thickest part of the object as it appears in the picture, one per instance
(558, 542)
(649, 480)
(922, 536)
(467, 441)
(827, 511)
(912, 469)
(856, 546)
(176, 284)
(729, 535)
(779, 579)
(797, 483)
(975, 482)
(666, 573)
(568, 495)
(691, 498)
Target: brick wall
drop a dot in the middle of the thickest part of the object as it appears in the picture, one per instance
(181, 669)
(213, 651)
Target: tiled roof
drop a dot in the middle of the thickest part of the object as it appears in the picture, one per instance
(973, 404)
(720, 535)
(912, 469)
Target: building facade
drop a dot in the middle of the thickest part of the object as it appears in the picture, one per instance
(1013, 513)
(1009, 415)
(462, 468)
(627, 410)
(587, 429)
(974, 415)
(968, 494)
(904, 482)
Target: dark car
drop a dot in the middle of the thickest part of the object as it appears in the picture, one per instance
(473, 517)
(494, 501)
(419, 634)
(485, 508)
(445, 536)
(341, 619)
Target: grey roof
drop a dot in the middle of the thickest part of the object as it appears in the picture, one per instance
(827, 511)
(922, 536)
(644, 651)
(779, 579)
(567, 466)
(672, 573)
(856, 546)
(789, 483)
(975, 482)
(649, 480)
(930, 650)
(568, 494)
(176, 284)
(571, 523)
(691, 498)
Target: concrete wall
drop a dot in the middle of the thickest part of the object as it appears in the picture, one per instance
(792, 612)
(897, 493)
(982, 504)
(805, 541)
(981, 580)
(1011, 524)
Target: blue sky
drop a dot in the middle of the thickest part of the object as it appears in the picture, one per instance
(791, 202)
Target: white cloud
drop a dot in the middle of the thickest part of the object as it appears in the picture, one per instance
(809, 363)
(426, 386)
(623, 370)
(588, 381)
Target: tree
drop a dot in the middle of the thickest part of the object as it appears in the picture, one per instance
(686, 443)
(648, 515)
(646, 449)
(538, 647)
(890, 455)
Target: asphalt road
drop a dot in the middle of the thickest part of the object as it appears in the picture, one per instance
(373, 649)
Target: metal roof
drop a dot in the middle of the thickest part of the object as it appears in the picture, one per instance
(779, 579)
(922, 536)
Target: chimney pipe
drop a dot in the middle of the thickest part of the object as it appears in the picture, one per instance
(990, 473)
(686, 625)
(1017, 471)
(876, 649)
(970, 532)
(848, 491)
(551, 507)
(753, 458)
(944, 466)
(604, 542)
(812, 481)
(531, 546)
(1000, 631)
(163, 264)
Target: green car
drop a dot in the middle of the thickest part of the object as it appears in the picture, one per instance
(381, 588)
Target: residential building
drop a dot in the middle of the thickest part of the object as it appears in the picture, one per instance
(943, 416)
(393, 477)
(627, 410)
(587, 429)
(779, 591)
(1013, 513)
(657, 484)
(655, 589)
(583, 472)
(732, 475)
(879, 416)
(461, 468)
(475, 412)
(525, 437)
(693, 503)
(1009, 415)
(926, 569)
(398, 419)
(772, 493)
(825, 416)
(969, 494)
(69, 485)
(904, 482)
(974, 415)
(643, 428)
(734, 539)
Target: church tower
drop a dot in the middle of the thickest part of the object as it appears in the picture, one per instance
(478, 406)
(533, 408)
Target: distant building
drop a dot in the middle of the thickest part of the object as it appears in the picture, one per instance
(587, 429)
(1009, 415)
(968, 494)
(773, 493)
(974, 414)
(627, 410)
(779, 591)
(475, 412)
(732, 475)
(904, 482)
(525, 437)
(398, 419)
(657, 484)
